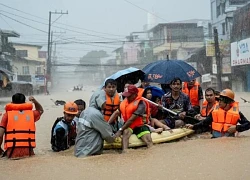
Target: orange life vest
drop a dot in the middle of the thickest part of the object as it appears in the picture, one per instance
(204, 111)
(140, 92)
(111, 106)
(127, 109)
(20, 130)
(222, 119)
(192, 93)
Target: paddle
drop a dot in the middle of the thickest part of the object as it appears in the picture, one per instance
(172, 112)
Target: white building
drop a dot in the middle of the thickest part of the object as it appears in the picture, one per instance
(222, 15)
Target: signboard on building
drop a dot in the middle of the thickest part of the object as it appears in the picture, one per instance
(214, 68)
(210, 50)
(206, 78)
(224, 48)
(226, 65)
(240, 53)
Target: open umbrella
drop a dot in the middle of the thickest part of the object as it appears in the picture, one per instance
(163, 71)
(130, 74)
(156, 91)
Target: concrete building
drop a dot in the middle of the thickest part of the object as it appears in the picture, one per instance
(29, 59)
(177, 39)
(240, 49)
(222, 15)
(222, 18)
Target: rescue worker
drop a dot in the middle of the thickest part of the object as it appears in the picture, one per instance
(133, 110)
(112, 102)
(92, 128)
(194, 92)
(208, 104)
(225, 117)
(18, 126)
(63, 131)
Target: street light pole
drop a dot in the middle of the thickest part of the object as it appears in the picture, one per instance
(218, 59)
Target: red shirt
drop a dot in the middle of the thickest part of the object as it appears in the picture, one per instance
(19, 152)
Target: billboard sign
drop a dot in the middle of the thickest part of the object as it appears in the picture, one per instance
(240, 53)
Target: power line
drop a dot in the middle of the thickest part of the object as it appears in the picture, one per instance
(145, 10)
(6, 22)
(60, 23)
(23, 23)
(97, 65)
(58, 26)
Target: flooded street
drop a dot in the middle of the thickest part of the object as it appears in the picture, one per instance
(190, 158)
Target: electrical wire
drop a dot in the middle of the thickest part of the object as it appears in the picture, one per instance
(60, 23)
(23, 23)
(145, 10)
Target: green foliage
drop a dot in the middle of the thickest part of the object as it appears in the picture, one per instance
(93, 57)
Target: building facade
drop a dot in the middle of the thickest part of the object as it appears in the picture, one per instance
(29, 59)
(177, 39)
(222, 18)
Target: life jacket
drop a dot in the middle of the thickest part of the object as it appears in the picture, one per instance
(222, 119)
(204, 109)
(111, 106)
(192, 93)
(69, 140)
(20, 130)
(127, 109)
(140, 92)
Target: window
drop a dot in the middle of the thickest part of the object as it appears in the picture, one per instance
(238, 2)
(218, 11)
(26, 70)
(223, 7)
(39, 70)
(42, 54)
(185, 33)
(22, 53)
(223, 25)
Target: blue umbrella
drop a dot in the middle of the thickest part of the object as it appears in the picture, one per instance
(130, 74)
(163, 71)
(156, 91)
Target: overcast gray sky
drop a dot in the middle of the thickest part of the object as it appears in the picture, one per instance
(96, 20)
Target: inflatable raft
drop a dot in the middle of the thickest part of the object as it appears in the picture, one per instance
(165, 136)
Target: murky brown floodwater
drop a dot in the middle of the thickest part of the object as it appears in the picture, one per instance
(198, 158)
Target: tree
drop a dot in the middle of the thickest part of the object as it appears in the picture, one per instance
(93, 57)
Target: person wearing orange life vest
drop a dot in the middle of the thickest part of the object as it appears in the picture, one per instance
(225, 117)
(18, 127)
(194, 92)
(113, 101)
(208, 104)
(133, 110)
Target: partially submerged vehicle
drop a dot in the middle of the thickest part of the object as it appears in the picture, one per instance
(11, 83)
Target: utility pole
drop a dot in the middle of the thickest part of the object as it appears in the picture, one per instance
(218, 59)
(48, 73)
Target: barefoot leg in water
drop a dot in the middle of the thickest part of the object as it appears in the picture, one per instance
(148, 140)
(125, 139)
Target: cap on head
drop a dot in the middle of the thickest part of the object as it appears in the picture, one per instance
(131, 89)
(70, 108)
(227, 93)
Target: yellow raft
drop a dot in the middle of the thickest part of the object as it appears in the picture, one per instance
(165, 136)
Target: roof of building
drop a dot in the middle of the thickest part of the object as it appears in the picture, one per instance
(24, 44)
(9, 33)
(190, 21)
